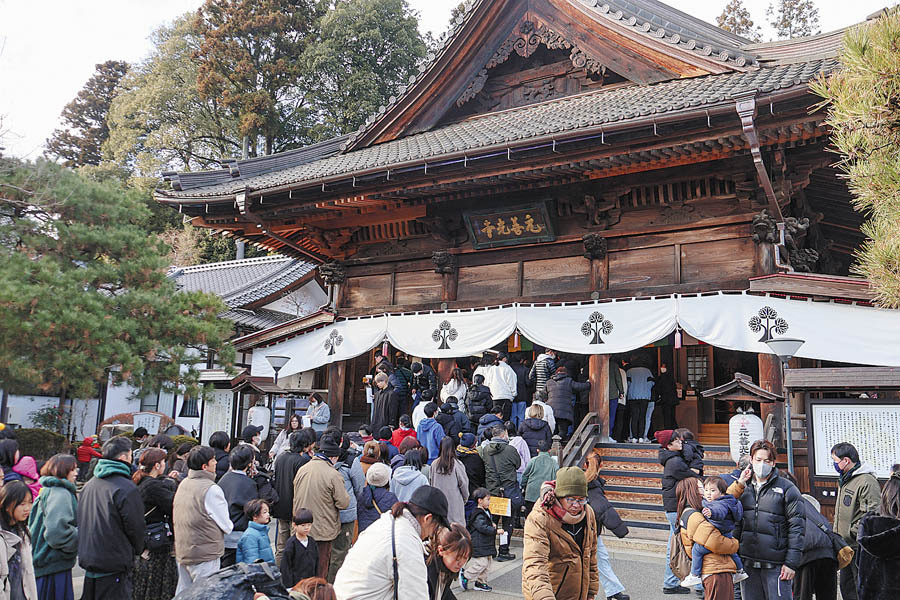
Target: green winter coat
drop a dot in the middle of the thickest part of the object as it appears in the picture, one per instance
(859, 493)
(541, 468)
(501, 461)
(54, 528)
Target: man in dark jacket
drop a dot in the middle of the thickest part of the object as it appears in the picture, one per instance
(522, 394)
(816, 575)
(478, 400)
(561, 390)
(447, 417)
(470, 458)
(286, 466)
(239, 488)
(772, 531)
(616, 392)
(501, 461)
(221, 445)
(487, 423)
(674, 470)
(111, 524)
(423, 378)
(383, 409)
(665, 396)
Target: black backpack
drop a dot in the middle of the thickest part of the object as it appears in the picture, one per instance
(238, 582)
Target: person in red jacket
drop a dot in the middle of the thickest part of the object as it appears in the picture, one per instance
(404, 431)
(85, 452)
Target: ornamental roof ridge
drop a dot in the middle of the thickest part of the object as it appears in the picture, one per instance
(230, 264)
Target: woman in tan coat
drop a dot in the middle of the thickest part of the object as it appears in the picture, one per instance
(560, 559)
(718, 568)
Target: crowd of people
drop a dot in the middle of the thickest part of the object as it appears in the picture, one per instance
(752, 535)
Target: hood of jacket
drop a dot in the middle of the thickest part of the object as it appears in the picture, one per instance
(880, 536)
(489, 420)
(88, 441)
(48, 482)
(406, 474)
(27, 467)
(535, 424)
(665, 455)
(429, 425)
(107, 468)
(496, 446)
(560, 376)
(448, 408)
(541, 357)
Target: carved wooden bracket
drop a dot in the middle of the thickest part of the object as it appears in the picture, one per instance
(763, 228)
(595, 246)
(524, 42)
(332, 273)
(444, 262)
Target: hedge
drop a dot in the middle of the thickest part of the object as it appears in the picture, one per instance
(41, 443)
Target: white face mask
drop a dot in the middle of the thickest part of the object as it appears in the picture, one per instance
(762, 469)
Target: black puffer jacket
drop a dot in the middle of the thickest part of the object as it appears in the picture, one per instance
(561, 390)
(286, 467)
(477, 403)
(222, 463)
(674, 470)
(239, 489)
(472, 461)
(533, 431)
(817, 542)
(483, 533)
(604, 511)
(158, 494)
(774, 523)
(879, 558)
(446, 418)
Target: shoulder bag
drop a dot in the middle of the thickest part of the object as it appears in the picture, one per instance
(679, 559)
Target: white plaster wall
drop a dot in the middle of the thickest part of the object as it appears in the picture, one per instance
(84, 412)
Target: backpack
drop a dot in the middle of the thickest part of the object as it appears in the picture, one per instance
(477, 402)
(679, 559)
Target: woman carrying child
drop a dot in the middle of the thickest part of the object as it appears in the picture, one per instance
(718, 567)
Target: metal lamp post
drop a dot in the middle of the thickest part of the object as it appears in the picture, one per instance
(277, 362)
(785, 349)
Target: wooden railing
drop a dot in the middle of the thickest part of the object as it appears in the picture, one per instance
(582, 442)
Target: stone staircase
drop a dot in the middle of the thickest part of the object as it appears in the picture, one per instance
(633, 484)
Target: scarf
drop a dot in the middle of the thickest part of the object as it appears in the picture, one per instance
(465, 450)
(551, 504)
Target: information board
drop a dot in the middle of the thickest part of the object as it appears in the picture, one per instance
(147, 420)
(872, 428)
(217, 413)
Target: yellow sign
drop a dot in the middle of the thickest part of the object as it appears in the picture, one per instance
(500, 506)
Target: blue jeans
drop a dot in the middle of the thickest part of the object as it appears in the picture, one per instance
(611, 583)
(518, 414)
(765, 584)
(670, 580)
(647, 433)
(613, 404)
(699, 551)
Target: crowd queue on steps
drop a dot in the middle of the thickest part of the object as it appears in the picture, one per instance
(402, 508)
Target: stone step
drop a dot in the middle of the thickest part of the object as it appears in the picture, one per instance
(621, 464)
(638, 540)
(711, 453)
(640, 513)
(629, 479)
(646, 497)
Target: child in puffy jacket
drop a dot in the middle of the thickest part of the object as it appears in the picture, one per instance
(254, 543)
(691, 449)
(723, 511)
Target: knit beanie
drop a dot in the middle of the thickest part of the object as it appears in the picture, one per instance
(664, 437)
(379, 475)
(570, 481)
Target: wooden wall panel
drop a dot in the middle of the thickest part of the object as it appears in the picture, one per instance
(556, 276)
(722, 260)
(417, 287)
(647, 267)
(371, 290)
(488, 282)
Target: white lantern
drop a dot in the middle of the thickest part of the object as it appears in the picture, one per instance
(743, 430)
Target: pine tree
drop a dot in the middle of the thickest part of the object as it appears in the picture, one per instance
(84, 130)
(794, 18)
(736, 18)
(863, 101)
(84, 291)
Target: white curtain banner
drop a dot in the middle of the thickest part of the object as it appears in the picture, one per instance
(831, 331)
(341, 340)
(449, 334)
(598, 327)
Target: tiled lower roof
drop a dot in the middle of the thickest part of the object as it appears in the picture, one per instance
(563, 116)
(260, 318)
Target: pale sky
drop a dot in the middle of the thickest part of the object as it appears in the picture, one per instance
(48, 48)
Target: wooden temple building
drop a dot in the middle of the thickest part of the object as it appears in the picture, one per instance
(554, 160)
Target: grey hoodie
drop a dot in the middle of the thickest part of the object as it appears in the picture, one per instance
(405, 481)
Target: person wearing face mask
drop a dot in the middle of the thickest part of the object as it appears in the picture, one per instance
(665, 395)
(858, 494)
(772, 531)
(560, 554)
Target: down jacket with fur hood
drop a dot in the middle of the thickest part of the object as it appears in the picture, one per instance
(879, 558)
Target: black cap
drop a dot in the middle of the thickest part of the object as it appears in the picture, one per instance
(250, 431)
(384, 433)
(433, 500)
(328, 447)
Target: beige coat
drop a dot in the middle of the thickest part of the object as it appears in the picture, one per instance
(10, 543)
(553, 566)
(320, 488)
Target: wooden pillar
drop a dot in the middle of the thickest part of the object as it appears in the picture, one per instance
(444, 369)
(770, 380)
(337, 384)
(598, 400)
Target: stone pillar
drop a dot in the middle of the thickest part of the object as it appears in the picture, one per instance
(598, 401)
(337, 386)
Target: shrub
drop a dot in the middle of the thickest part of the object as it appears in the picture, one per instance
(41, 444)
(184, 439)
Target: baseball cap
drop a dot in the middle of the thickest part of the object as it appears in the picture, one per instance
(433, 500)
(248, 432)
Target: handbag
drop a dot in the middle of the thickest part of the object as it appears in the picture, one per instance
(679, 559)
(158, 536)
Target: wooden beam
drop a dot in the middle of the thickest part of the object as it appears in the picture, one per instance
(598, 399)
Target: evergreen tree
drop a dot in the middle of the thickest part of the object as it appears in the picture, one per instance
(794, 18)
(863, 101)
(367, 49)
(84, 130)
(736, 18)
(83, 290)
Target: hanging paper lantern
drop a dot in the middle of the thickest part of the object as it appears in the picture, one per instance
(743, 430)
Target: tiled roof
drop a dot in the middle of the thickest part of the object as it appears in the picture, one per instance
(260, 318)
(519, 125)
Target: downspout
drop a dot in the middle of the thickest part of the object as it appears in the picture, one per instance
(745, 104)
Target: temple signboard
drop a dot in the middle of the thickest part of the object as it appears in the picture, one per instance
(510, 226)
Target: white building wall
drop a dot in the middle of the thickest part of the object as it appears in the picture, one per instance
(84, 412)
(308, 299)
